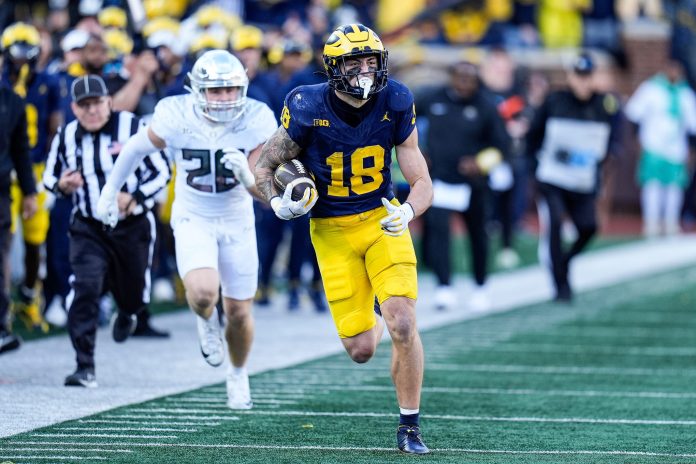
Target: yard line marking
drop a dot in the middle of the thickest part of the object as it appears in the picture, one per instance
(210, 400)
(526, 369)
(392, 450)
(147, 422)
(163, 416)
(59, 458)
(554, 348)
(576, 370)
(91, 450)
(212, 409)
(217, 408)
(134, 429)
(101, 435)
(518, 391)
(273, 401)
(561, 420)
(629, 331)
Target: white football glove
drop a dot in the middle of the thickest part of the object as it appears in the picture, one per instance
(397, 221)
(107, 207)
(285, 208)
(237, 162)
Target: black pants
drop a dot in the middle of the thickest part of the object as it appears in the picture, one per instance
(5, 222)
(554, 204)
(437, 238)
(116, 260)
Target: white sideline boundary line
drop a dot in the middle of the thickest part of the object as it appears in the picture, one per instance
(57, 458)
(71, 450)
(512, 391)
(373, 449)
(174, 366)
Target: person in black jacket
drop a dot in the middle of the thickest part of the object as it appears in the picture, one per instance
(14, 154)
(465, 138)
(571, 135)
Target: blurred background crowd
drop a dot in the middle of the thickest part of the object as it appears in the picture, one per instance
(514, 53)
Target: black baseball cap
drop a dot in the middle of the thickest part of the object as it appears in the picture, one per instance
(87, 87)
(583, 64)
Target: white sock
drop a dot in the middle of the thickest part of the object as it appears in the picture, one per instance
(408, 412)
(239, 370)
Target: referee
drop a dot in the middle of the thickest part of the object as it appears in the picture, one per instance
(118, 260)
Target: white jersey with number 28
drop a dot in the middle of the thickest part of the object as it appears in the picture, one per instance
(203, 185)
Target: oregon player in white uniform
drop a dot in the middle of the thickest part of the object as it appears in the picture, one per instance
(215, 132)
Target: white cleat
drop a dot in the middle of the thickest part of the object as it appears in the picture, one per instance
(445, 297)
(480, 300)
(507, 259)
(210, 338)
(238, 392)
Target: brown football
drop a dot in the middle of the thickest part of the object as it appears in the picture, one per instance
(295, 172)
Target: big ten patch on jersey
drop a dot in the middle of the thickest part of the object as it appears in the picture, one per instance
(351, 164)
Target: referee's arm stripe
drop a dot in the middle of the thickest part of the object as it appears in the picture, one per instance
(158, 170)
(53, 165)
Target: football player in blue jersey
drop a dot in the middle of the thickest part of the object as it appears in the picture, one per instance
(344, 132)
(21, 45)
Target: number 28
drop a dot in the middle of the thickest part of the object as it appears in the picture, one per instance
(363, 179)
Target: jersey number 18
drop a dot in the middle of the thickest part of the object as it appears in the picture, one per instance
(363, 178)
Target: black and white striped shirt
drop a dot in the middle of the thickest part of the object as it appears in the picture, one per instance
(94, 155)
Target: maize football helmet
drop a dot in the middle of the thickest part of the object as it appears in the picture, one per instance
(215, 69)
(21, 42)
(354, 41)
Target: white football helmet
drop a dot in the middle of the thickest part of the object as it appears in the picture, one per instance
(214, 69)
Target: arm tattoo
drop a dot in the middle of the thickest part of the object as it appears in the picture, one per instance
(277, 150)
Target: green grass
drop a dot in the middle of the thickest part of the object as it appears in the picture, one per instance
(525, 245)
(609, 379)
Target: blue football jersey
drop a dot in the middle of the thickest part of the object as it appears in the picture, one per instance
(351, 165)
(43, 97)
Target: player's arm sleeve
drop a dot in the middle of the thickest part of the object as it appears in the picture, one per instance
(405, 114)
(54, 165)
(19, 151)
(132, 154)
(293, 118)
(156, 172)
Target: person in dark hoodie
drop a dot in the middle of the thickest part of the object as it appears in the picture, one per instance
(14, 154)
(464, 140)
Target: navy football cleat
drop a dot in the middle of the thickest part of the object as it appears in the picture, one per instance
(409, 439)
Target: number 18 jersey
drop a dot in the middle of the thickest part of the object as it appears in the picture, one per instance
(203, 185)
(351, 165)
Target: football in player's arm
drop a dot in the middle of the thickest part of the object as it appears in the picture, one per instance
(343, 131)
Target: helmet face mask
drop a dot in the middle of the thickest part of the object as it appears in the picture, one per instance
(21, 44)
(343, 53)
(218, 69)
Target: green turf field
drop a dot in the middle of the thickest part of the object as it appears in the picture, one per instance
(525, 245)
(610, 379)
